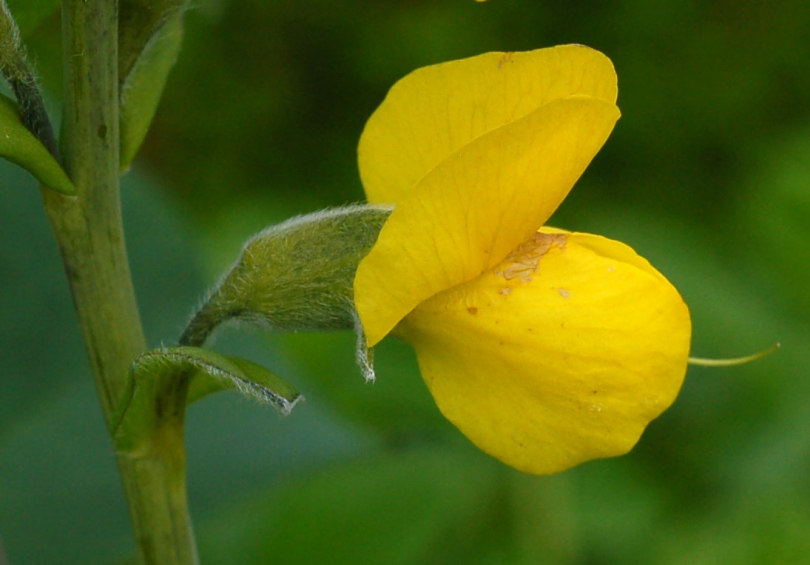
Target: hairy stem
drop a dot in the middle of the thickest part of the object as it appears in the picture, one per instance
(89, 232)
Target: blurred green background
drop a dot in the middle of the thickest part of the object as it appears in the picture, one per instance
(707, 175)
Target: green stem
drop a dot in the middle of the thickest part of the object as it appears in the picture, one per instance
(89, 232)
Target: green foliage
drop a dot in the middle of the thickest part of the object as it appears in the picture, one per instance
(19, 146)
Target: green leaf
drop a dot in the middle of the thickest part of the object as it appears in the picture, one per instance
(218, 373)
(143, 87)
(30, 13)
(164, 380)
(140, 24)
(19, 146)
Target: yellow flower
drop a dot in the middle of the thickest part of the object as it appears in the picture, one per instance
(545, 348)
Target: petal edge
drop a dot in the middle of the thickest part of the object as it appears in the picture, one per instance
(436, 110)
(474, 208)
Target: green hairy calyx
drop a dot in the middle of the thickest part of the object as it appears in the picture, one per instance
(295, 276)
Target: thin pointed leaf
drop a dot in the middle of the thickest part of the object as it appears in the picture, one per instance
(164, 380)
(139, 24)
(19, 146)
(143, 87)
(249, 378)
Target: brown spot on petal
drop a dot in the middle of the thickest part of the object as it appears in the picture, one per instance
(472, 310)
(505, 58)
(524, 261)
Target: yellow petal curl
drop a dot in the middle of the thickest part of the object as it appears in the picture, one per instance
(561, 354)
(435, 111)
(476, 206)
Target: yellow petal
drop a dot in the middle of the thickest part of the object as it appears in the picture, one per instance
(436, 110)
(563, 353)
(469, 212)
